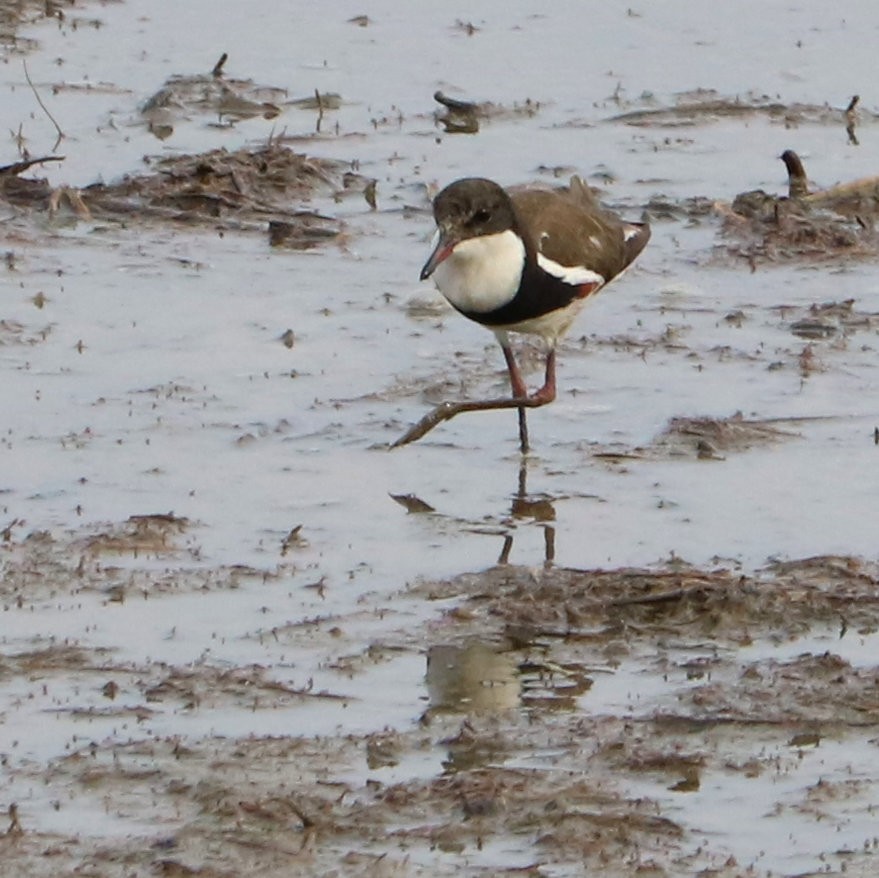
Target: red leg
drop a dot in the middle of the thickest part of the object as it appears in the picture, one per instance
(520, 400)
(516, 380)
(547, 392)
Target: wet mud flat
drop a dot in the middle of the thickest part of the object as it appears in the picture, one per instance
(273, 676)
(570, 718)
(573, 719)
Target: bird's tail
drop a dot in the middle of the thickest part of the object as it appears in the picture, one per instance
(635, 238)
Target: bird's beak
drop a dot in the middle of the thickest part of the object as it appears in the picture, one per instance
(442, 249)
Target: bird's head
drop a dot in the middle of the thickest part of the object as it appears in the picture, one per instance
(466, 209)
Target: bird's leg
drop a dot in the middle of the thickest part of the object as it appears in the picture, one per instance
(517, 383)
(445, 411)
(547, 392)
(520, 391)
(524, 447)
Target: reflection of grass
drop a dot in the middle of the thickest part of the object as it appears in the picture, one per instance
(12, 332)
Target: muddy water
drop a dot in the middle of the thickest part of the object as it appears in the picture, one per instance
(266, 596)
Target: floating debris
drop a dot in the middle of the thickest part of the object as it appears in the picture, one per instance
(412, 504)
(293, 540)
(706, 438)
(702, 106)
(24, 191)
(229, 100)
(460, 116)
(248, 188)
(463, 117)
(827, 319)
(327, 100)
(303, 231)
(821, 224)
(15, 14)
(140, 533)
(851, 120)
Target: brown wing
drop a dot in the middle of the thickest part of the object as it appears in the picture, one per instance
(570, 227)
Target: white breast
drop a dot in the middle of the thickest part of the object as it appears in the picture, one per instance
(482, 274)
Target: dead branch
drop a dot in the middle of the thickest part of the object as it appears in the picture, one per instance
(40, 102)
(20, 167)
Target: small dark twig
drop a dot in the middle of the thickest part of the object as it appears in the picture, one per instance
(320, 110)
(61, 134)
(19, 167)
(307, 821)
(6, 532)
(851, 120)
(14, 823)
(798, 184)
(454, 104)
(217, 72)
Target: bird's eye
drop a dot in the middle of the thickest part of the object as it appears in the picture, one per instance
(481, 216)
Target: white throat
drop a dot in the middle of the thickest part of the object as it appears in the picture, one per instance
(482, 274)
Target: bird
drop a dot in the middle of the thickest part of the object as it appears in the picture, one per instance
(523, 260)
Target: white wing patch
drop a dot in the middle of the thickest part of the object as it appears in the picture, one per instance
(631, 232)
(575, 275)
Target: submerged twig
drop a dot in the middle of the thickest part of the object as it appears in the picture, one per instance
(851, 120)
(369, 194)
(14, 823)
(61, 134)
(320, 110)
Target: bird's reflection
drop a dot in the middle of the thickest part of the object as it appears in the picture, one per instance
(538, 508)
(524, 507)
(473, 678)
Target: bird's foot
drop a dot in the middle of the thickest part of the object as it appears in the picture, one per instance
(445, 411)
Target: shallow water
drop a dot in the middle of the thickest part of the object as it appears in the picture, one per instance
(153, 379)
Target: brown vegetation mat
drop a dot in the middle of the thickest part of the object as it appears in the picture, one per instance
(777, 230)
(704, 438)
(247, 188)
(15, 14)
(704, 105)
(639, 606)
(838, 222)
